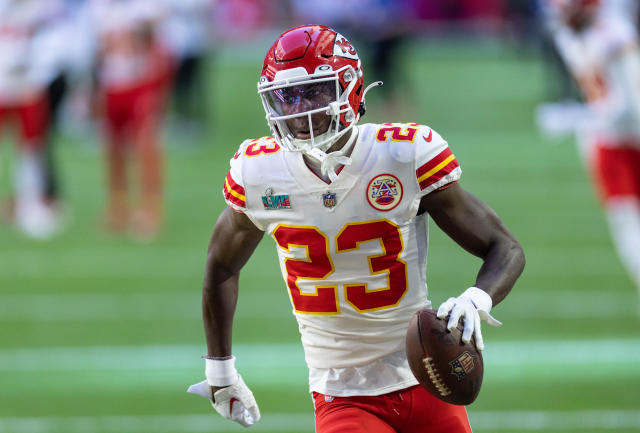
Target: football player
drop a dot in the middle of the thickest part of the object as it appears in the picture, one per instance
(347, 206)
(23, 102)
(599, 45)
(134, 76)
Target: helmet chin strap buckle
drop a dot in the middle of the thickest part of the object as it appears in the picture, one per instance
(329, 162)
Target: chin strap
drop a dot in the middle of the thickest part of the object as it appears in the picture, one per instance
(330, 161)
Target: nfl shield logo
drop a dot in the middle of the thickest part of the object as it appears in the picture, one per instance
(329, 199)
(462, 365)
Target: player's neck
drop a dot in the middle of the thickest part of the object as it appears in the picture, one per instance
(339, 145)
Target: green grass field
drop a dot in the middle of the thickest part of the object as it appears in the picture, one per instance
(103, 335)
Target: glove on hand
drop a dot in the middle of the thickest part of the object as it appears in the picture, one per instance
(235, 401)
(474, 305)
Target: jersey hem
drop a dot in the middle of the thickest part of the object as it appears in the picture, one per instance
(372, 392)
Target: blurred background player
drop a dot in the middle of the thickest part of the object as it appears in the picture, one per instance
(62, 60)
(24, 103)
(133, 77)
(187, 33)
(599, 44)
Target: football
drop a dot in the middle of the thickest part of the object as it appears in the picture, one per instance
(445, 366)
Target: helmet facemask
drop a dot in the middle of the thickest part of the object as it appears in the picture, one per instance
(296, 96)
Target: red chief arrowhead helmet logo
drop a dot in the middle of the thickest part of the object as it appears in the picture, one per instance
(343, 48)
(346, 46)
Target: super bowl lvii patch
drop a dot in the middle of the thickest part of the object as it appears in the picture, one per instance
(273, 202)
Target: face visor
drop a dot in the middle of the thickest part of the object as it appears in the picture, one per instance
(304, 111)
(303, 98)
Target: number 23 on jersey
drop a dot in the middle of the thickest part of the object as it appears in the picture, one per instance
(319, 265)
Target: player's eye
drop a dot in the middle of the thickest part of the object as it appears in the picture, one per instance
(284, 96)
(291, 99)
(313, 92)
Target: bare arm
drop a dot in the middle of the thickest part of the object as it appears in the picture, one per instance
(475, 226)
(233, 241)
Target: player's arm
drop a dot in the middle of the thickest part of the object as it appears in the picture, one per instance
(625, 70)
(473, 225)
(233, 241)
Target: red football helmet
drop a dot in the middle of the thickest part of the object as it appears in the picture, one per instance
(311, 69)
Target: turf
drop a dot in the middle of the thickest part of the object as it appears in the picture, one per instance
(102, 334)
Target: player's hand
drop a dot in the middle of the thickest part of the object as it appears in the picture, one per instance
(235, 402)
(473, 305)
(229, 395)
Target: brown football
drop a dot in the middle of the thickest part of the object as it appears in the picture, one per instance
(442, 363)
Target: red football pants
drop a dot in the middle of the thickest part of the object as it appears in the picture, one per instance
(33, 118)
(411, 410)
(617, 172)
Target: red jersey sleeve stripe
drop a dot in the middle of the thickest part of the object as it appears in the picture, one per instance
(233, 185)
(433, 162)
(234, 195)
(228, 195)
(447, 166)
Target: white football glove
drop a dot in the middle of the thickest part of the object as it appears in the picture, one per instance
(235, 401)
(474, 305)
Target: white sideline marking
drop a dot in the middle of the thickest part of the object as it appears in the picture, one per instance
(589, 420)
(519, 354)
(596, 420)
(185, 305)
(194, 423)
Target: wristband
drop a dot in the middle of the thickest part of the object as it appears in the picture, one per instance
(481, 299)
(221, 372)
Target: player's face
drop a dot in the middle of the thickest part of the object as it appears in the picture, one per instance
(301, 99)
(581, 14)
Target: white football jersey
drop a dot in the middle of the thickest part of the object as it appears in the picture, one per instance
(121, 64)
(604, 61)
(20, 20)
(353, 252)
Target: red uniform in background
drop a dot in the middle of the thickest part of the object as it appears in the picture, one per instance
(600, 48)
(23, 104)
(134, 75)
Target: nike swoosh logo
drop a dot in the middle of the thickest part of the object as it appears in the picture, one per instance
(233, 400)
(428, 137)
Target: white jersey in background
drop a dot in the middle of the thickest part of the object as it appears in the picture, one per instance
(352, 253)
(20, 21)
(187, 29)
(604, 62)
(121, 63)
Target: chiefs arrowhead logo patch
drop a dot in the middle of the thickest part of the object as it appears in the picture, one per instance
(384, 192)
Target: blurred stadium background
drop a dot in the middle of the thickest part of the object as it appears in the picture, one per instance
(102, 334)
